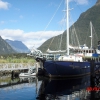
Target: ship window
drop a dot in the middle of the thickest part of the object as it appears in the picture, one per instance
(93, 51)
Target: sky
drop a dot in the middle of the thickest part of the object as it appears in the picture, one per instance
(35, 21)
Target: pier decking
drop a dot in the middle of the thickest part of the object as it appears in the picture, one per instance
(14, 66)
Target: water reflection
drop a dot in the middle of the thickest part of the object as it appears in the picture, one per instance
(7, 81)
(42, 88)
(64, 89)
(18, 88)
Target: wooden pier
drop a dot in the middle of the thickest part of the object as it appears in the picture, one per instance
(14, 66)
(14, 69)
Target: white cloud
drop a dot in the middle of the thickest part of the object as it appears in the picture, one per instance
(29, 39)
(13, 21)
(62, 22)
(21, 16)
(4, 5)
(81, 2)
(52, 4)
(2, 22)
(17, 9)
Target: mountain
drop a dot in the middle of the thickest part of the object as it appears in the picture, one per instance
(82, 28)
(18, 46)
(98, 2)
(5, 48)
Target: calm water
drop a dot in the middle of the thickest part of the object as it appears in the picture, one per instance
(41, 88)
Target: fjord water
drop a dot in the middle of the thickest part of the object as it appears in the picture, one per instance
(43, 88)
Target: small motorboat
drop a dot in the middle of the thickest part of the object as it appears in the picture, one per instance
(31, 72)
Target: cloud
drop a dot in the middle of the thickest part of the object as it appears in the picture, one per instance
(81, 2)
(29, 39)
(13, 21)
(17, 9)
(2, 22)
(21, 16)
(4, 5)
(52, 4)
(62, 22)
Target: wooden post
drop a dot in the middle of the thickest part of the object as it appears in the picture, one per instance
(12, 74)
(92, 78)
(98, 59)
(36, 64)
(41, 64)
(92, 65)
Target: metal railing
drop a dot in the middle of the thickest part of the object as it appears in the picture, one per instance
(14, 66)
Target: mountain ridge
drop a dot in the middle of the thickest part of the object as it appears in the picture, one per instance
(18, 46)
(98, 2)
(5, 48)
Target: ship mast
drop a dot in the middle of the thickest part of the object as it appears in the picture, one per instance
(67, 21)
(91, 32)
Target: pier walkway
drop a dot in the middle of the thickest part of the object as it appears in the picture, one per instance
(14, 66)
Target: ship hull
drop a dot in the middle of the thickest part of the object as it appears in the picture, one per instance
(66, 68)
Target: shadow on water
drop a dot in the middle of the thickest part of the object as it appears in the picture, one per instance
(61, 89)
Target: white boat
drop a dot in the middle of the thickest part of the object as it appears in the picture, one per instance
(27, 74)
(31, 72)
